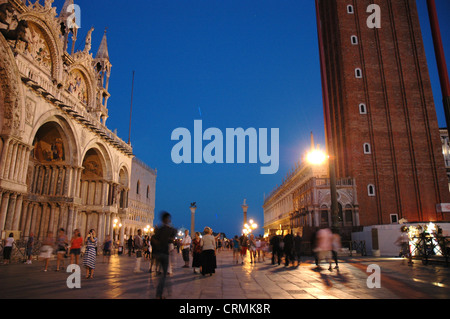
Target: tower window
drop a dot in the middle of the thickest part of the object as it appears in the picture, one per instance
(354, 39)
(358, 73)
(394, 218)
(371, 190)
(137, 187)
(148, 191)
(362, 108)
(350, 9)
(367, 149)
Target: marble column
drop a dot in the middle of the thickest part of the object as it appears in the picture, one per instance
(70, 226)
(34, 219)
(51, 223)
(4, 157)
(122, 235)
(17, 213)
(27, 227)
(12, 162)
(24, 216)
(10, 211)
(4, 210)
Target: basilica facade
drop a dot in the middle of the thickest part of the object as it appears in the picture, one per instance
(60, 166)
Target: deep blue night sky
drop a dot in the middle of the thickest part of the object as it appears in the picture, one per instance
(246, 63)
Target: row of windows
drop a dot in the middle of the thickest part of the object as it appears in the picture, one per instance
(362, 107)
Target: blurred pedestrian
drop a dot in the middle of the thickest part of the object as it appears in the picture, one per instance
(208, 253)
(276, 249)
(324, 242)
(7, 248)
(163, 235)
(61, 248)
(197, 253)
(297, 249)
(313, 242)
(30, 245)
(90, 254)
(154, 254)
(138, 245)
(130, 245)
(288, 241)
(75, 247)
(252, 248)
(403, 242)
(47, 249)
(186, 247)
(146, 247)
(336, 247)
(236, 249)
(243, 244)
(107, 246)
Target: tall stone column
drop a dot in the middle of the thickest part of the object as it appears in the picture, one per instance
(122, 233)
(12, 162)
(26, 229)
(70, 225)
(52, 225)
(4, 157)
(10, 211)
(193, 209)
(24, 216)
(33, 227)
(17, 213)
(244, 209)
(4, 210)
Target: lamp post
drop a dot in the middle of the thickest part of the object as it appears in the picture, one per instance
(193, 208)
(317, 157)
(244, 209)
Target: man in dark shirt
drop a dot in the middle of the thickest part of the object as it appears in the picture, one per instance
(288, 248)
(276, 251)
(297, 248)
(162, 237)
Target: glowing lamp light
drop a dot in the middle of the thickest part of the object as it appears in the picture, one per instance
(316, 157)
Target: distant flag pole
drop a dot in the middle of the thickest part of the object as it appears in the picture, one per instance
(131, 110)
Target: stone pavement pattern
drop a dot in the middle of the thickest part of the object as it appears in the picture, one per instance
(249, 281)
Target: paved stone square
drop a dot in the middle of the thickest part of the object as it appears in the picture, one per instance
(249, 281)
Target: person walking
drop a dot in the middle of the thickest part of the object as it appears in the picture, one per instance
(47, 249)
(297, 249)
(75, 247)
(107, 246)
(236, 249)
(186, 247)
(61, 248)
(276, 249)
(90, 254)
(208, 253)
(243, 244)
(313, 242)
(7, 249)
(154, 254)
(252, 248)
(30, 245)
(324, 246)
(197, 253)
(336, 248)
(130, 245)
(163, 235)
(288, 241)
(138, 244)
(403, 242)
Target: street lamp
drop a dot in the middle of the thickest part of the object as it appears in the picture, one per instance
(318, 157)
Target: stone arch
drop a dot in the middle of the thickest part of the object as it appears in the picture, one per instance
(107, 159)
(51, 39)
(76, 73)
(67, 133)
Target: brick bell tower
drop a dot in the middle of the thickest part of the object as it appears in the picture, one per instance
(382, 117)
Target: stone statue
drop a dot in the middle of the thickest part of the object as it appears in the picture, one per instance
(88, 45)
(4, 9)
(48, 4)
(17, 34)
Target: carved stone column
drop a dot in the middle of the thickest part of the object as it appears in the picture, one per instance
(4, 210)
(12, 162)
(52, 225)
(17, 213)
(33, 226)
(70, 223)
(26, 229)
(4, 157)
(10, 211)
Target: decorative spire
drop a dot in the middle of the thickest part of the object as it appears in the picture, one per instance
(87, 47)
(102, 52)
(312, 142)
